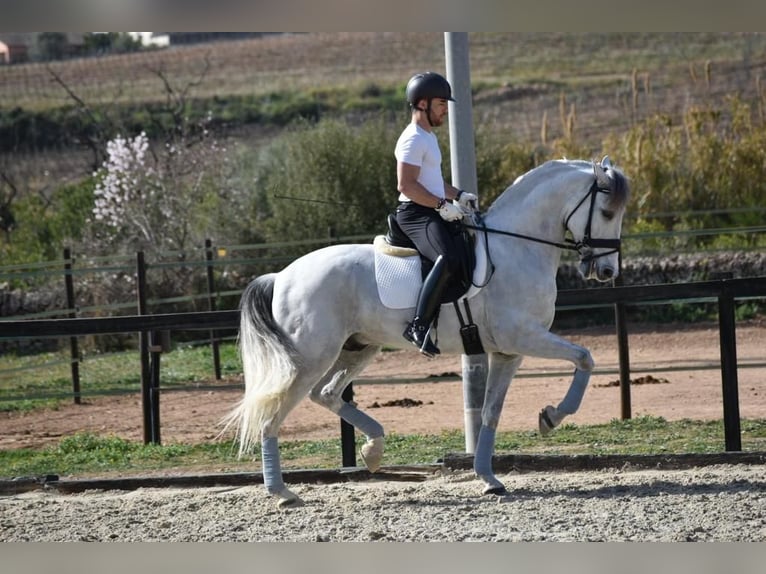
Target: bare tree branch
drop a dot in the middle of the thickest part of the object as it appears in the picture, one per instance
(96, 144)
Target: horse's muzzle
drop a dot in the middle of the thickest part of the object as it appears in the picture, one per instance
(597, 268)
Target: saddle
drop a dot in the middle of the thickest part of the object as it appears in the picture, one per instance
(398, 244)
(396, 263)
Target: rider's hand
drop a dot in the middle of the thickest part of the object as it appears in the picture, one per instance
(465, 199)
(450, 212)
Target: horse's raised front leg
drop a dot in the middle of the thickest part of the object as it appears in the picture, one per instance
(502, 368)
(550, 417)
(327, 392)
(550, 346)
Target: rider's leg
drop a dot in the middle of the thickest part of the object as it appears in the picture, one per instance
(429, 300)
(435, 241)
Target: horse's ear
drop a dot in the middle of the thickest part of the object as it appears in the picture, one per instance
(606, 163)
(601, 177)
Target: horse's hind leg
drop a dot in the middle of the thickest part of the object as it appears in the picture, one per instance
(286, 402)
(327, 393)
(272, 470)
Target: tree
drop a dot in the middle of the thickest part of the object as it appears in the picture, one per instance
(332, 177)
(159, 198)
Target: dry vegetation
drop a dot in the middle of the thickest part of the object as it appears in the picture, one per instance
(528, 83)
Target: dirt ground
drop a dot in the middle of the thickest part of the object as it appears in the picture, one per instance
(662, 386)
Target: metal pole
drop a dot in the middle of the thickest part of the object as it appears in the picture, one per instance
(463, 163)
(461, 141)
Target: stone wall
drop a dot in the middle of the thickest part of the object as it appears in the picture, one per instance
(682, 268)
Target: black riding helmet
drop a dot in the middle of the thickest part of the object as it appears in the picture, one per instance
(427, 86)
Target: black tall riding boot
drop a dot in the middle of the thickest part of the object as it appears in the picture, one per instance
(428, 303)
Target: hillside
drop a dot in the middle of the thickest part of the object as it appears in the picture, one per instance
(607, 80)
(534, 96)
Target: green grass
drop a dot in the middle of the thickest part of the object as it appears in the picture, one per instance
(34, 381)
(87, 454)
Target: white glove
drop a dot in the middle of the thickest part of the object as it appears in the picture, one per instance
(450, 212)
(465, 200)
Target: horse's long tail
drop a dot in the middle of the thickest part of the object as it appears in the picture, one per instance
(268, 362)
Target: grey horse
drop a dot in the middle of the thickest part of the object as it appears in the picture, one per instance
(309, 329)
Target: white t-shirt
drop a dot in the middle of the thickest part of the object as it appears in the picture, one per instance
(419, 147)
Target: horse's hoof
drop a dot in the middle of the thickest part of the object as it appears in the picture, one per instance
(496, 490)
(286, 503)
(288, 499)
(372, 453)
(546, 421)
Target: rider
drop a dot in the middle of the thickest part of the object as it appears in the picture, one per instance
(426, 201)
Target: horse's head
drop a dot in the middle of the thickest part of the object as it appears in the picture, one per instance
(596, 222)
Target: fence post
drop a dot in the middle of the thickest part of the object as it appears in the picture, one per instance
(729, 382)
(143, 349)
(347, 438)
(210, 307)
(621, 325)
(74, 350)
(155, 349)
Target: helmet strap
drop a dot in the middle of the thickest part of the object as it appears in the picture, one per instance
(427, 111)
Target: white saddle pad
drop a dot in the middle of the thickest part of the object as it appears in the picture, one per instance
(399, 278)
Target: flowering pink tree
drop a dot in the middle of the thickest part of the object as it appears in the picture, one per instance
(167, 197)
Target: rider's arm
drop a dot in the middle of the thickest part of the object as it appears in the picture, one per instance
(407, 176)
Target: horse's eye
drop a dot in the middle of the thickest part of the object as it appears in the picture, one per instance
(607, 214)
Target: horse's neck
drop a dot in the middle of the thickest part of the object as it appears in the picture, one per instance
(532, 206)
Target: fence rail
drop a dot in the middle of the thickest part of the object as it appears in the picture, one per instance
(150, 327)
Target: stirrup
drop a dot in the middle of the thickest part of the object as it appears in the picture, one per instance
(426, 346)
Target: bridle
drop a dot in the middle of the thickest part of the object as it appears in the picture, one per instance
(587, 241)
(584, 247)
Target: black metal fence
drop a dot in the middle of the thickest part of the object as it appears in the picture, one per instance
(151, 328)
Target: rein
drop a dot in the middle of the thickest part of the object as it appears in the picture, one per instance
(586, 242)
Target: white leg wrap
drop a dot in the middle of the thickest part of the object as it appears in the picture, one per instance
(272, 470)
(362, 421)
(482, 461)
(574, 395)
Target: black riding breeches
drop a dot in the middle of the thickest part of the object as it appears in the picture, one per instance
(431, 234)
